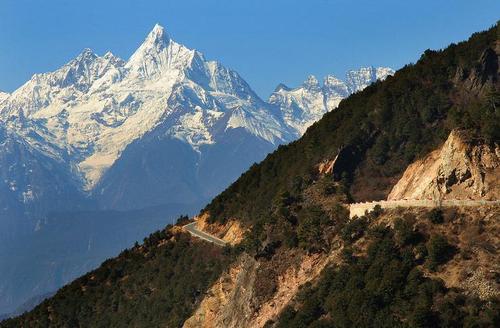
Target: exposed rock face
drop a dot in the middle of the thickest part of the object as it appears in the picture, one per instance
(326, 167)
(463, 168)
(228, 301)
(236, 301)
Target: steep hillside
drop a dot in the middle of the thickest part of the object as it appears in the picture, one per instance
(303, 261)
(156, 283)
(402, 270)
(379, 131)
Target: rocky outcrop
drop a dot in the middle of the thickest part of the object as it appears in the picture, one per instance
(227, 303)
(463, 168)
(326, 166)
(236, 300)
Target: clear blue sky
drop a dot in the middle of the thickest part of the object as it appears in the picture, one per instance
(266, 41)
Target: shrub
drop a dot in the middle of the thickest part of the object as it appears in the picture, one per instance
(439, 251)
(404, 232)
(377, 211)
(311, 228)
(354, 229)
(436, 216)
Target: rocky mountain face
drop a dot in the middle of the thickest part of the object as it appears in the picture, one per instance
(304, 105)
(463, 168)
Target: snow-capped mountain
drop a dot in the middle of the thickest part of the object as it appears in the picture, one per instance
(3, 96)
(89, 110)
(357, 80)
(306, 104)
(163, 131)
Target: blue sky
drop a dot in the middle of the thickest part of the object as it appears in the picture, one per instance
(266, 41)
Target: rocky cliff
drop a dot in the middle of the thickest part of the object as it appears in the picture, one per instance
(255, 291)
(463, 168)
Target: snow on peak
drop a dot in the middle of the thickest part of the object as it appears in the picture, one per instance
(90, 109)
(158, 54)
(311, 83)
(304, 105)
(3, 95)
(332, 81)
(158, 36)
(86, 53)
(359, 79)
(282, 86)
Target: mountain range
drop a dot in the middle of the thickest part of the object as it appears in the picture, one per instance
(296, 252)
(164, 131)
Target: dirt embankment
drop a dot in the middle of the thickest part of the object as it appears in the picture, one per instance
(463, 168)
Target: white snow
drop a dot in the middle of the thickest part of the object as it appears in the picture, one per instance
(90, 109)
(303, 106)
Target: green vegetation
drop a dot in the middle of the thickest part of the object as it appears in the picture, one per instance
(156, 284)
(385, 288)
(294, 223)
(439, 251)
(436, 216)
(354, 229)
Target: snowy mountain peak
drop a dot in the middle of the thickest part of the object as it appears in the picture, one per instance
(92, 108)
(306, 104)
(86, 53)
(311, 83)
(3, 96)
(158, 54)
(359, 79)
(332, 81)
(158, 36)
(282, 86)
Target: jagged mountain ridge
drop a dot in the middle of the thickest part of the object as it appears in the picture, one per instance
(304, 105)
(93, 107)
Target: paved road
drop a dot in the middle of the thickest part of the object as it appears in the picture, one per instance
(193, 230)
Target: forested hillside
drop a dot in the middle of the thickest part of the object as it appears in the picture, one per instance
(383, 128)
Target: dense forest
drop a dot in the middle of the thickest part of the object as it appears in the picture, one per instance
(287, 204)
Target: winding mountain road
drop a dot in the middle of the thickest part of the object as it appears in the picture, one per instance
(194, 231)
